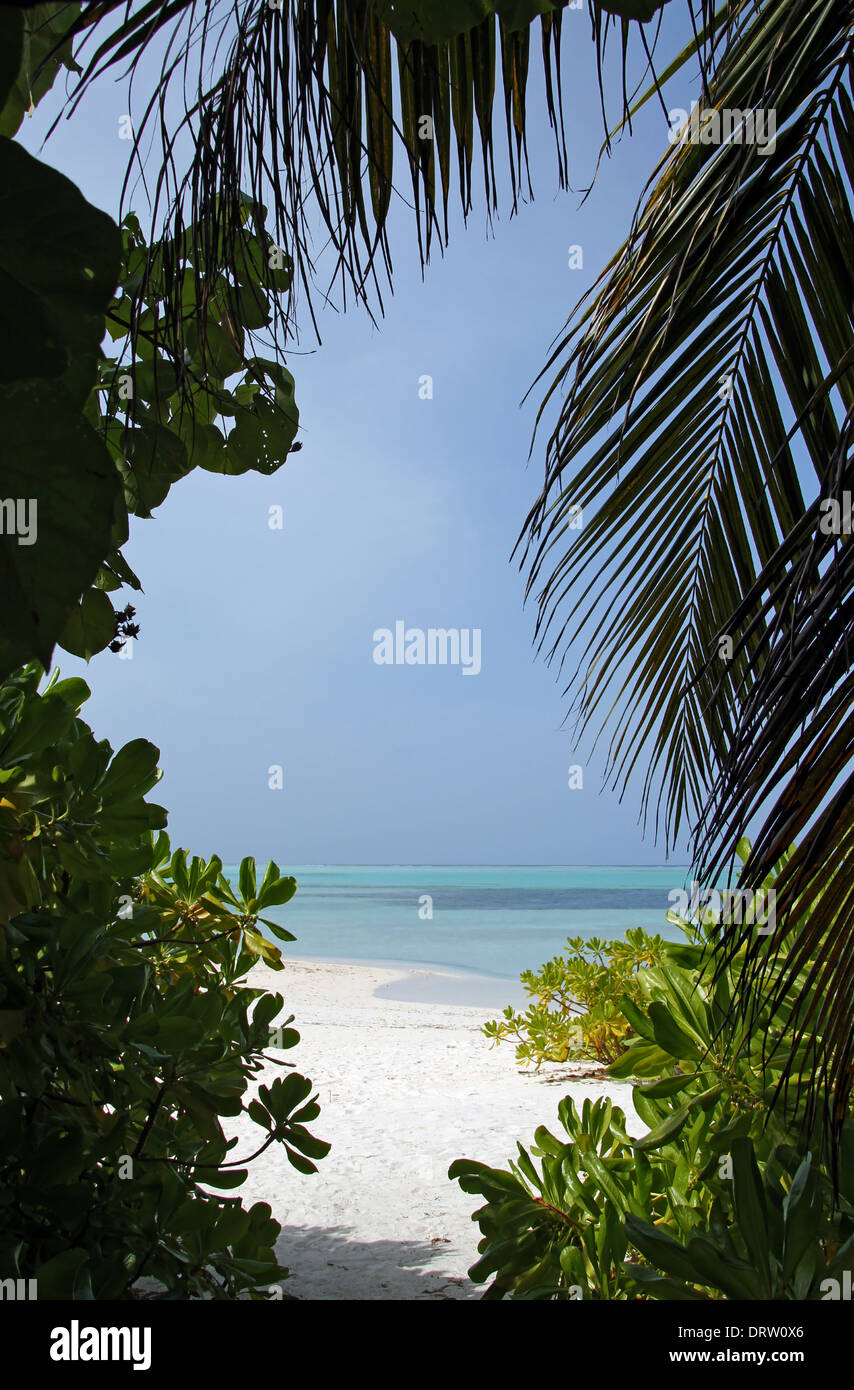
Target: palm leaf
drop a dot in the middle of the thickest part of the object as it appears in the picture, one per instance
(680, 368)
(296, 114)
(793, 748)
(714, 617)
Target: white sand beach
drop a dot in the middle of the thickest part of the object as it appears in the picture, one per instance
(405, 1087)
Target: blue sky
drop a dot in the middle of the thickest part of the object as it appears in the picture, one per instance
(256, 644)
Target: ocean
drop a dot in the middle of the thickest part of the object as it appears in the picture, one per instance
(493, 922)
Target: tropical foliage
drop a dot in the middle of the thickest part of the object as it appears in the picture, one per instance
(577, 1012)
(716, 349)
(128, 1038)
(92, 439)
(704, 432)
(781, 1236)
(313, 108)
(599, 1214)
(59, 263)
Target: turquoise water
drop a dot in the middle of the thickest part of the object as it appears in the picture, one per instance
(491, 921)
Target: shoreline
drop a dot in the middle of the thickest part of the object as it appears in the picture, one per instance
(424, 982)
(405, 1087)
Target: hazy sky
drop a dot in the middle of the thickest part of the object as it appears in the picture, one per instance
(256, 645)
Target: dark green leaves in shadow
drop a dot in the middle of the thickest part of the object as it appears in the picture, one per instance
(59, 260)
(32, 53)
(684, 370)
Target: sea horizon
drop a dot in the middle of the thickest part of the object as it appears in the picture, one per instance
(493, 921)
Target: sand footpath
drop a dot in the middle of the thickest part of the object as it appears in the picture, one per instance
(405, 1088)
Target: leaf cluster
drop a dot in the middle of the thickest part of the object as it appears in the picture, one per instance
(129, 1039)
(577, 1012)
(682, 1210)
(91, 440)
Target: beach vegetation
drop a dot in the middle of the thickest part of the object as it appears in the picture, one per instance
(781, 1234)
(704, 429)
(576, 1015)
(593, 1214)
(698, 409)
(93, 438)
(598, 1213)
(129, 1037)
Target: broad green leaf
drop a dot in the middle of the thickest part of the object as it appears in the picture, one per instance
(670, 1036)
(57, 1277)
(59, 260)
(664, 1132)
(90, 627)
(66, 484)
(132, 772)
(750, 1206)
(32, 65)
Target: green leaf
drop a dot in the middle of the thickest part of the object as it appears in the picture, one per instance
(277, 892)
(257, 1112)
(664, 1132)
(670, 1036)
(11, 47)
(33, 64)
(59, 262)
(90, 627)
(306, 1143)
(175, 1035)
(636, 1017)
(225, 1177)
(302, 1165)
(55, 463)
(131, 773)
(57, 1277)
(246, 879)
(750, 1207)
(641, 1059)
(661, 1249)
(259, 946)
(659, 1287)
(155, 457)
(278, 931)
(665, 1086)
(73, 690)
(58, 265)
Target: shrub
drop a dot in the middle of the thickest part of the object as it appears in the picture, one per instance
(776, 1235)
(577, 1014)
(556, 1231)
(127, 1034)
(719, 1198)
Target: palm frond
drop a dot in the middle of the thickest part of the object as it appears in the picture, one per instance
(709, 332)
(794, 748)
(710, 395)
(296, 116)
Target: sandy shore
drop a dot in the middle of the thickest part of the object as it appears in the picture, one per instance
(405, 1087)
